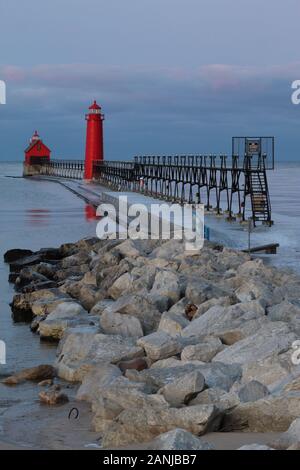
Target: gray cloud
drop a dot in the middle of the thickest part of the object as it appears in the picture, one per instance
(148, 109)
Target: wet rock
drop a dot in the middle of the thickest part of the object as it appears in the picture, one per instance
(16, 254)
(82, 257)
(34, 325)
(53, 397)
(41, 372)
(12, 277)
(252, 391)
(31, 260)
(184, 389)
(34, 286)
(115, 323)
(27, 276)
(159, 345)
(144, 424)
(203, 351)
(41, 302)
(46, 269)
(178, 439)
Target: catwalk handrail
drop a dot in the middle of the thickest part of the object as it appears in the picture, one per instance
(208, 179)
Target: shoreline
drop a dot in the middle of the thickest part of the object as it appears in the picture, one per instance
(133, 307)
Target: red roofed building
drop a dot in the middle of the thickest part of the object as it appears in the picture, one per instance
(37, 152)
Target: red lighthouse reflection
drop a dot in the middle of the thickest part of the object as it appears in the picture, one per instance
(90, 213)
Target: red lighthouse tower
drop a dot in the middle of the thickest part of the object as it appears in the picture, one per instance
(94, 139)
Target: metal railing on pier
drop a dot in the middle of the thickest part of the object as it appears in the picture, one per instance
(223, 184)
(73, 169)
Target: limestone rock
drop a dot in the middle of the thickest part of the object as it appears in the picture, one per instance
(198, 291)
(270, 414)
(115, 323)
(223, 301)
(120, 395)
(183, 389)
(271, 370)
(290, 437)
(173, 323)
(121, 285)
(144, 424)
(98, 377)
(254, 288)
(224, 401)
(140, 363)
(64, 315)
(178, 439)
(286, 311)
(131, 248)
(159, 345)
(252, 391)
(203, 351)
(255, 447)
(216, 374)
(271, 338)
(83, 349)
(100, 306)
(219, 320)
(166, 290)
(140, 307)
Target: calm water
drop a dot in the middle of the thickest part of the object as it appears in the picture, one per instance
(32, 215)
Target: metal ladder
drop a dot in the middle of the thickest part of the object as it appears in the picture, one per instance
(260, 197)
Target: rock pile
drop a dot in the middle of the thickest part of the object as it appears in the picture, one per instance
(166, 347)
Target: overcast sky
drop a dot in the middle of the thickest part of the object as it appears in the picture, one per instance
(172, 76)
